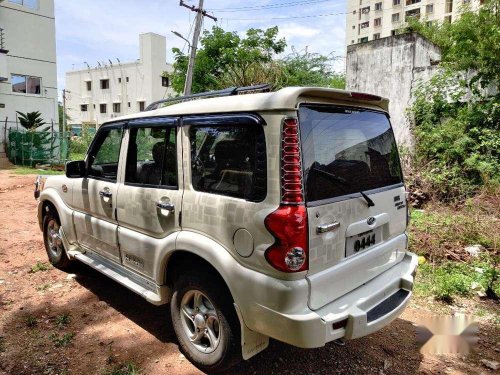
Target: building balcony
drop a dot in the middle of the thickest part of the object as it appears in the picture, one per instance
(3, 58)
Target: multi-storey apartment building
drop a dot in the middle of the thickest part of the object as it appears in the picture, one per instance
(114, 88)
(28, 73)
(374, 19)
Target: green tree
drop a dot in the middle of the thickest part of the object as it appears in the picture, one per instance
(225, 57)
(30, 120)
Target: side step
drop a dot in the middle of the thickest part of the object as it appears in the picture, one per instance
(156, 294)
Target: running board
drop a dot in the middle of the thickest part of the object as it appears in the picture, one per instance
(156, 294)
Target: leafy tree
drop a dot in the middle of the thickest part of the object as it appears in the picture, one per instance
(310, 69)
(457, 121)
(225, 57)
(30, 120)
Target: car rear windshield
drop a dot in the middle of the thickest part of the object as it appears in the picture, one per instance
(346, 151)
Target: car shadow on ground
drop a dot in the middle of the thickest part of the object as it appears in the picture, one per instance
(393, 350)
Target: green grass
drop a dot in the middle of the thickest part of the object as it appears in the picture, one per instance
(127, 368)
(63, 320)
(62, 341)
(77, 156)
(31, 321)
(40, 266)
(26, 170)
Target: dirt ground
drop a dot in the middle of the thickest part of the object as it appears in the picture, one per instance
(52, 322)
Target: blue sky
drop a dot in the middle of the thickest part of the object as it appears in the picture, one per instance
(98, 30)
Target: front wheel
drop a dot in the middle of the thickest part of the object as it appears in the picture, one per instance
(205, 322)
(53, 242)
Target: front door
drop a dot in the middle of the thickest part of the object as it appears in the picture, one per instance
(150, 197)
(94, 196)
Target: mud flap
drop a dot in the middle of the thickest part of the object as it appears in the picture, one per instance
(252, 343)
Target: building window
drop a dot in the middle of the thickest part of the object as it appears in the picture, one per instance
(103, 108)
(448, 7)
(26, 84)
(396, 2)
(393, 32)
(83, 107)
(127, 79)
(447, 19)
(165, 82)
(413, 13)
(363, 40)
(466, 1)
(119, 80)
(365, 10)
(395, 17)
(378, 6)
(117, 107)
(429, 8)
(129, 104)
(366, 24)
(142, 106)
(353, 27)
(104, 84)
(410, 2)
(89, 85)
(376, 36)
(377, 22)
(32, 4)
(354, 12)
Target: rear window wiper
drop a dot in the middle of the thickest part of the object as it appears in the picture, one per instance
(343, 181)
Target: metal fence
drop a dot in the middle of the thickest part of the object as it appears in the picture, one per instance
(29, 148)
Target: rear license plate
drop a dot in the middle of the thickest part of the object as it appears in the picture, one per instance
(360, 242)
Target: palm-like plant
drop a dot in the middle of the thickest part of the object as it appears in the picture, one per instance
(31, 120)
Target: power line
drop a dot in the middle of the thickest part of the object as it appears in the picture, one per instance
(269, 6)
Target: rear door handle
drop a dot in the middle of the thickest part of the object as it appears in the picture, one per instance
(105, 194)
(165, 206)
(327, 227)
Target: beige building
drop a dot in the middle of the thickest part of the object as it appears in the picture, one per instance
(114, 88)
(374, 19)
(28, 74)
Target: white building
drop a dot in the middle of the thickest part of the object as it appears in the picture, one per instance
(115, 88)
(374, 19)
(28, 74)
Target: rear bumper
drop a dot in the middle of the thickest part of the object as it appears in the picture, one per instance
(364, 310)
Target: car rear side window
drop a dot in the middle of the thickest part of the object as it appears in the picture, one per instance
(346, 151)
(229, 160)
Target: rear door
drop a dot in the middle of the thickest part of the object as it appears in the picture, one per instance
(150, 195)
(355, 198)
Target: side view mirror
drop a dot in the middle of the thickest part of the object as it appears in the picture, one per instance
(75, 169)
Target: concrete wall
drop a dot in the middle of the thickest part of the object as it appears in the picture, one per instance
(129, 84)
(392, 67)
(29, 37)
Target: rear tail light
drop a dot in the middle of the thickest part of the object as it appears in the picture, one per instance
(288, 224)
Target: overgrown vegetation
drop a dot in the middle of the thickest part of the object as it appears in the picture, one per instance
(226, 59)
(457, 113)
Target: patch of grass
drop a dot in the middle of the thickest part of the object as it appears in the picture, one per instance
(26, 170)
(63, 320)
(62, 341)
(127, 368)
(43, 287)
(31, 321)
(40, 266)
(451, 279)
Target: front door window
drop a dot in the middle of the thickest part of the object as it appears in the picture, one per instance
(105, 153)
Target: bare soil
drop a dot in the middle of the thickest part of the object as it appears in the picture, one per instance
(109, 325)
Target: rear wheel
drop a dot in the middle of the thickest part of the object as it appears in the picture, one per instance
(53, 241)
(205, 322)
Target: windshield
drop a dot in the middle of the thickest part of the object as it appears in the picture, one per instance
(346, 150)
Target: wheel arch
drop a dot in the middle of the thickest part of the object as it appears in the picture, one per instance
(49, 198)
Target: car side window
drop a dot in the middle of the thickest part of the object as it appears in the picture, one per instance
(105, 153)
(229, 160)
(152, 157)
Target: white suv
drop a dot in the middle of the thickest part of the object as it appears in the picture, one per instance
(277, 214)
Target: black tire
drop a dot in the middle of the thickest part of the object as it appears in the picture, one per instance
(57, 258)
(228, 350)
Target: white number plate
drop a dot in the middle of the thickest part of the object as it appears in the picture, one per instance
(360, 242)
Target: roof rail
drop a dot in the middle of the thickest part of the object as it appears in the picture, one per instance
(211, 94)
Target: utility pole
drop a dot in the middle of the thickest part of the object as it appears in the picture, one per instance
(196, 35)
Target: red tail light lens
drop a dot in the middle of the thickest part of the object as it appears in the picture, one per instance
(291, 169)
(288, 224)
(289, 253)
